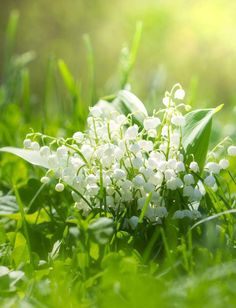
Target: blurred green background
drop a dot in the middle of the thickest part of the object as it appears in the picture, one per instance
(191, 42)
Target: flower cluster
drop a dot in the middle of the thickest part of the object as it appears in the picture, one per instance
(117, 165)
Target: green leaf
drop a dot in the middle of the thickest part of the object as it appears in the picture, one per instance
(196, 134)
(20, 251)
(94, 251)
(128, 103)
(37, 217)
(30, 156)
(144, 209)
(67, 77)
(55, 251)
(129, 56)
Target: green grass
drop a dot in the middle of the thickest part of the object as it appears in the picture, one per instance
(55, 258)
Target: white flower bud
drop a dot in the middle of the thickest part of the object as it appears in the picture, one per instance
(53, 161)
(171, 184)
(121, 119)
(132, 132)
(156, 179)
(171, 163)
(59, 187)
(152, 133)
(135, 148)
(82, 205)
(161, 211)
(224, 163)
(148, 187)
(164, 131)
(163, 147)
(133, 221)
(44, 151)
(178, 215)
(91, 179)
(147, 172)
(110, 201)
(76, 162)
(155, 197)
(167, 101)
(78, 137)
(178, 120)
(92, 189)
(162, 166)
(35, 146)
(179, 94)
(152, 163)
(193, 214)
(210, 181)
(96, 111)
(197, 196)
(180, 166)
(75, 196)
(107, 180)
(151, 123)
(45, 180)
(175, 139)
(194, 166)
(169, 173)
(213, 167)
(141, 202)
(118, 153)
(110, 190)
(62, 151)
(137, 162)
(126, 196)
(189, 179)
(232, 150)
(174, 183)
(146, 145)
(27, 143)
(188, 191)
(87, 151)
(138, 180)
(126, 185)
(119, 174)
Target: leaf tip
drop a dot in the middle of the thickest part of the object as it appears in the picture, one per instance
(217, 109)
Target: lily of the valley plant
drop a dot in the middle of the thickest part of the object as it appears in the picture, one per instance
(131, 164)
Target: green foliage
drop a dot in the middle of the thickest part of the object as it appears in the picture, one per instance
(127, 103)
(51, 256)
(196, 134)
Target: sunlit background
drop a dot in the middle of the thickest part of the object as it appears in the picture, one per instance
(191, 42)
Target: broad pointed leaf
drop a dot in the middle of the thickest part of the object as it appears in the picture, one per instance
(128, 103)
(30, 156)
(196, 134)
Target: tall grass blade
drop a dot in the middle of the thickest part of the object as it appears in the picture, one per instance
(91, 70)
(130, 57)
